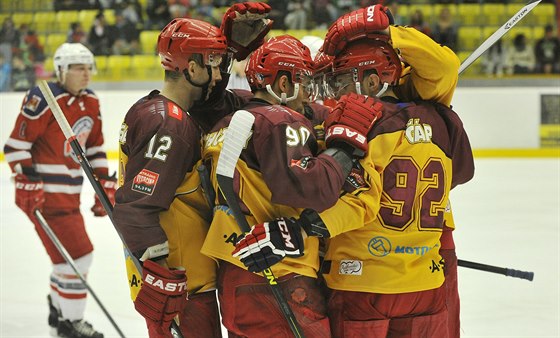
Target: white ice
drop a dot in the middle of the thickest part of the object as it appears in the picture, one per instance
(507, 216)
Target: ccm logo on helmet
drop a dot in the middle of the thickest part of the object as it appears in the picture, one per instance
(180, 35)
(286, 64)
(366, 63)
(167, 286)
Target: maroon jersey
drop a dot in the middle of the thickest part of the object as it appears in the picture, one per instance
(37, 141)
(160, 145)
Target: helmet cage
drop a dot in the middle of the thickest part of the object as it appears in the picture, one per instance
(363, 56)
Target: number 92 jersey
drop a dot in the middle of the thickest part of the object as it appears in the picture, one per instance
(417, 153)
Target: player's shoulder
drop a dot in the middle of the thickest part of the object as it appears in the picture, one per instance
(91, 94)
(276, 114)
(34, 103)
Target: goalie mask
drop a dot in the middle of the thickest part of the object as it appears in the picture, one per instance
(360, 57)
(71, 54)
(283, 53)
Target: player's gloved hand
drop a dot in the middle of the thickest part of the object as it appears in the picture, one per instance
(245, 25)
(29, 193)
(351, 120)
(356, 25)
(109, 184)
(162, 296)
(268, 243)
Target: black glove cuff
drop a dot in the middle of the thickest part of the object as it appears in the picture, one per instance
(312, 224)
(342, 153)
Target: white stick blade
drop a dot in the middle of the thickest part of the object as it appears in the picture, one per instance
(235, 139)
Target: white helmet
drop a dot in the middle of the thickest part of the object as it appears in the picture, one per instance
(313, 43)
(70, 54)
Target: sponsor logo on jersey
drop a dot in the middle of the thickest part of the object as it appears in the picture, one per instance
(122, 133)
(81, 128)
(350, 267)
(145, 182)
(412, 250)
(174, 111)
(417, 132)
(379, 246)
(302, 162)
(33, 103)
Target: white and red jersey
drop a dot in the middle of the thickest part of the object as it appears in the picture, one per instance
(37, 141)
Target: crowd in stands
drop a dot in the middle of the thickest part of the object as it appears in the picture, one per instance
(22, 56)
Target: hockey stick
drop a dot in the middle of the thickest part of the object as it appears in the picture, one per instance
(236, 137)
(498, 34)
(86, 166)
(71, 262)
(528, 275)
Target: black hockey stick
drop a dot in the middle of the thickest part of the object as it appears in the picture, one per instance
(237, 135)
(71, 262)
(528, 275)
(88, 170)
(492, 39)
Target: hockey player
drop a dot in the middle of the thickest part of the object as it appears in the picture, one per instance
(430, 72)
(279, 173)
(161, 209)
(48, 177)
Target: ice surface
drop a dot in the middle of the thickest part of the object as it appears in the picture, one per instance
(507, 216)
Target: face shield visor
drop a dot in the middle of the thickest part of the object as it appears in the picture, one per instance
(336, 82)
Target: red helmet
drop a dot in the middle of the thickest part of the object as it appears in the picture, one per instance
(282, 53)
(183, 37)
(367, 54)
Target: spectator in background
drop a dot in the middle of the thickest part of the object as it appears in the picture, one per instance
(494, 60)
(394, 9)
(445, 29)
(76, 33)
(126, 36)
(278, 11)
(520, 56)
(9, 39)
(23, 75)
(178, 10)
(158, 14)
(100, 37)
(5, 74)
(547, 52)
(204, 11)
(297, 15)
(417, 21)
(324, 13)
(132, 11)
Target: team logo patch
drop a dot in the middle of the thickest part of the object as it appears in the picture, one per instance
(379, 246)
(145, 182)
(33, 103)
(174, 111)
(350, 267)
(81, 128)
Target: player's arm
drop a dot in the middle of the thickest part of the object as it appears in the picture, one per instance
(434, 69)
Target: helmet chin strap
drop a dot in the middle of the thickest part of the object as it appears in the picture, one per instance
(283, 99)
(204, 85)
(383, 89)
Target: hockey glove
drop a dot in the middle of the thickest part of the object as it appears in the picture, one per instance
(109, 184)
(351, 120)
(268, 243)
(29, 193)
(162, 296)
(356, 25)
(245, 25)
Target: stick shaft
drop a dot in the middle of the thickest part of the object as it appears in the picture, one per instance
(528, 275)
(492, 39)
(72, 264)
